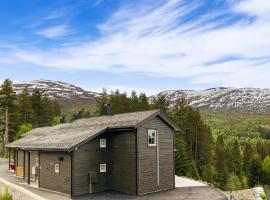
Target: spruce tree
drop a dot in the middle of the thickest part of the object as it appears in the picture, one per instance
(134, 101)
(161, 103)
(184, 165)
(255, 172)
(9, 111)
(221, 168)
(26, 111)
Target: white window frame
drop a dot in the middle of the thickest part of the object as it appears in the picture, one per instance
(103, 168)
(57, 168)
(102, 143)
(150, 134)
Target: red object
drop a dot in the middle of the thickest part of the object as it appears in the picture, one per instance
(12, 166)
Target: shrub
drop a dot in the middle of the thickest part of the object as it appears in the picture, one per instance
(263, 196)
(5, 194)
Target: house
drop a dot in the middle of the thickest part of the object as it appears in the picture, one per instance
(131, 153)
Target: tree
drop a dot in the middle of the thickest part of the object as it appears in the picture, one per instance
(233, 183)
(197, 136)
(184, 165)
(24, 128)
(143, 102)
(161, 103)
(134, 101)
(26, 111)
(234, 158)
(36, 100)
(7, 104)
(101, 101)
(266, 170)
(247, 157)
(222, 173)
(255, 172)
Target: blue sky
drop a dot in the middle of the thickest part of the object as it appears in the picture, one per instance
(146, 45)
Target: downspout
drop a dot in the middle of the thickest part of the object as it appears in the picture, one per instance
(71, 173)
(28, 181)
(136, 159)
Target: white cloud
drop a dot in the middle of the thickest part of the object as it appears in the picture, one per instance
(54, 32)
(151, 39)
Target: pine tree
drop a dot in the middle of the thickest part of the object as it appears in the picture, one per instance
(8, 108)
(26, 111)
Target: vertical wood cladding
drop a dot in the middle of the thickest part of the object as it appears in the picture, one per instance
(147, 158)
(119, 155)
(123, 159)
(55, 181)
(86, 159)
(33, 157)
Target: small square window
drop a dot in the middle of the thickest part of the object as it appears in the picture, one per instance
(102, 143)
(56, 168)
(152, 137)
(102, 168)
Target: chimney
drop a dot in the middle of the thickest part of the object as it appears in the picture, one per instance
(107, 109)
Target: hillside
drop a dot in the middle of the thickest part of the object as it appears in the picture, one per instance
(69, 96)
(239, 100)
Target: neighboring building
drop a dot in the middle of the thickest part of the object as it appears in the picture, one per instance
(131, 153)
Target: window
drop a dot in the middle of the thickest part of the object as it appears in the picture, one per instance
(56, 168)
(152, 137)
(102, 168)
(102, 143)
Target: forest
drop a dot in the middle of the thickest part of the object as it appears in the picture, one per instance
(230, 151)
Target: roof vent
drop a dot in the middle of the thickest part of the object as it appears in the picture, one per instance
(107, 109)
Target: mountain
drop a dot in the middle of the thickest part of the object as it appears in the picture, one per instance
(69, 96)
(240, 100)
(243, 100)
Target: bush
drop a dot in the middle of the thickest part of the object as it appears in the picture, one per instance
(263, 196)
(5, 194)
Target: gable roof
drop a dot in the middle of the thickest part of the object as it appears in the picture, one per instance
(64, 137)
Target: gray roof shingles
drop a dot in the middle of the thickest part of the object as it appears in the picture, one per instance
(65, 136)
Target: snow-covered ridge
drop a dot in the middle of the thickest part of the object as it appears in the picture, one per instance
(223, 99)
(54, 89)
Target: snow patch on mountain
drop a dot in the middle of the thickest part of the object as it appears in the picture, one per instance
(54, 89)
(223, 99)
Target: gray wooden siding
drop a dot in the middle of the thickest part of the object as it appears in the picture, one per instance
(85, 160)
(48, 178)
(119, 155)
(33, 157)
(123, 158)
(147, 157)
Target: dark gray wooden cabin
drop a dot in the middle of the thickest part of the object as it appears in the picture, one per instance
(131, 153)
